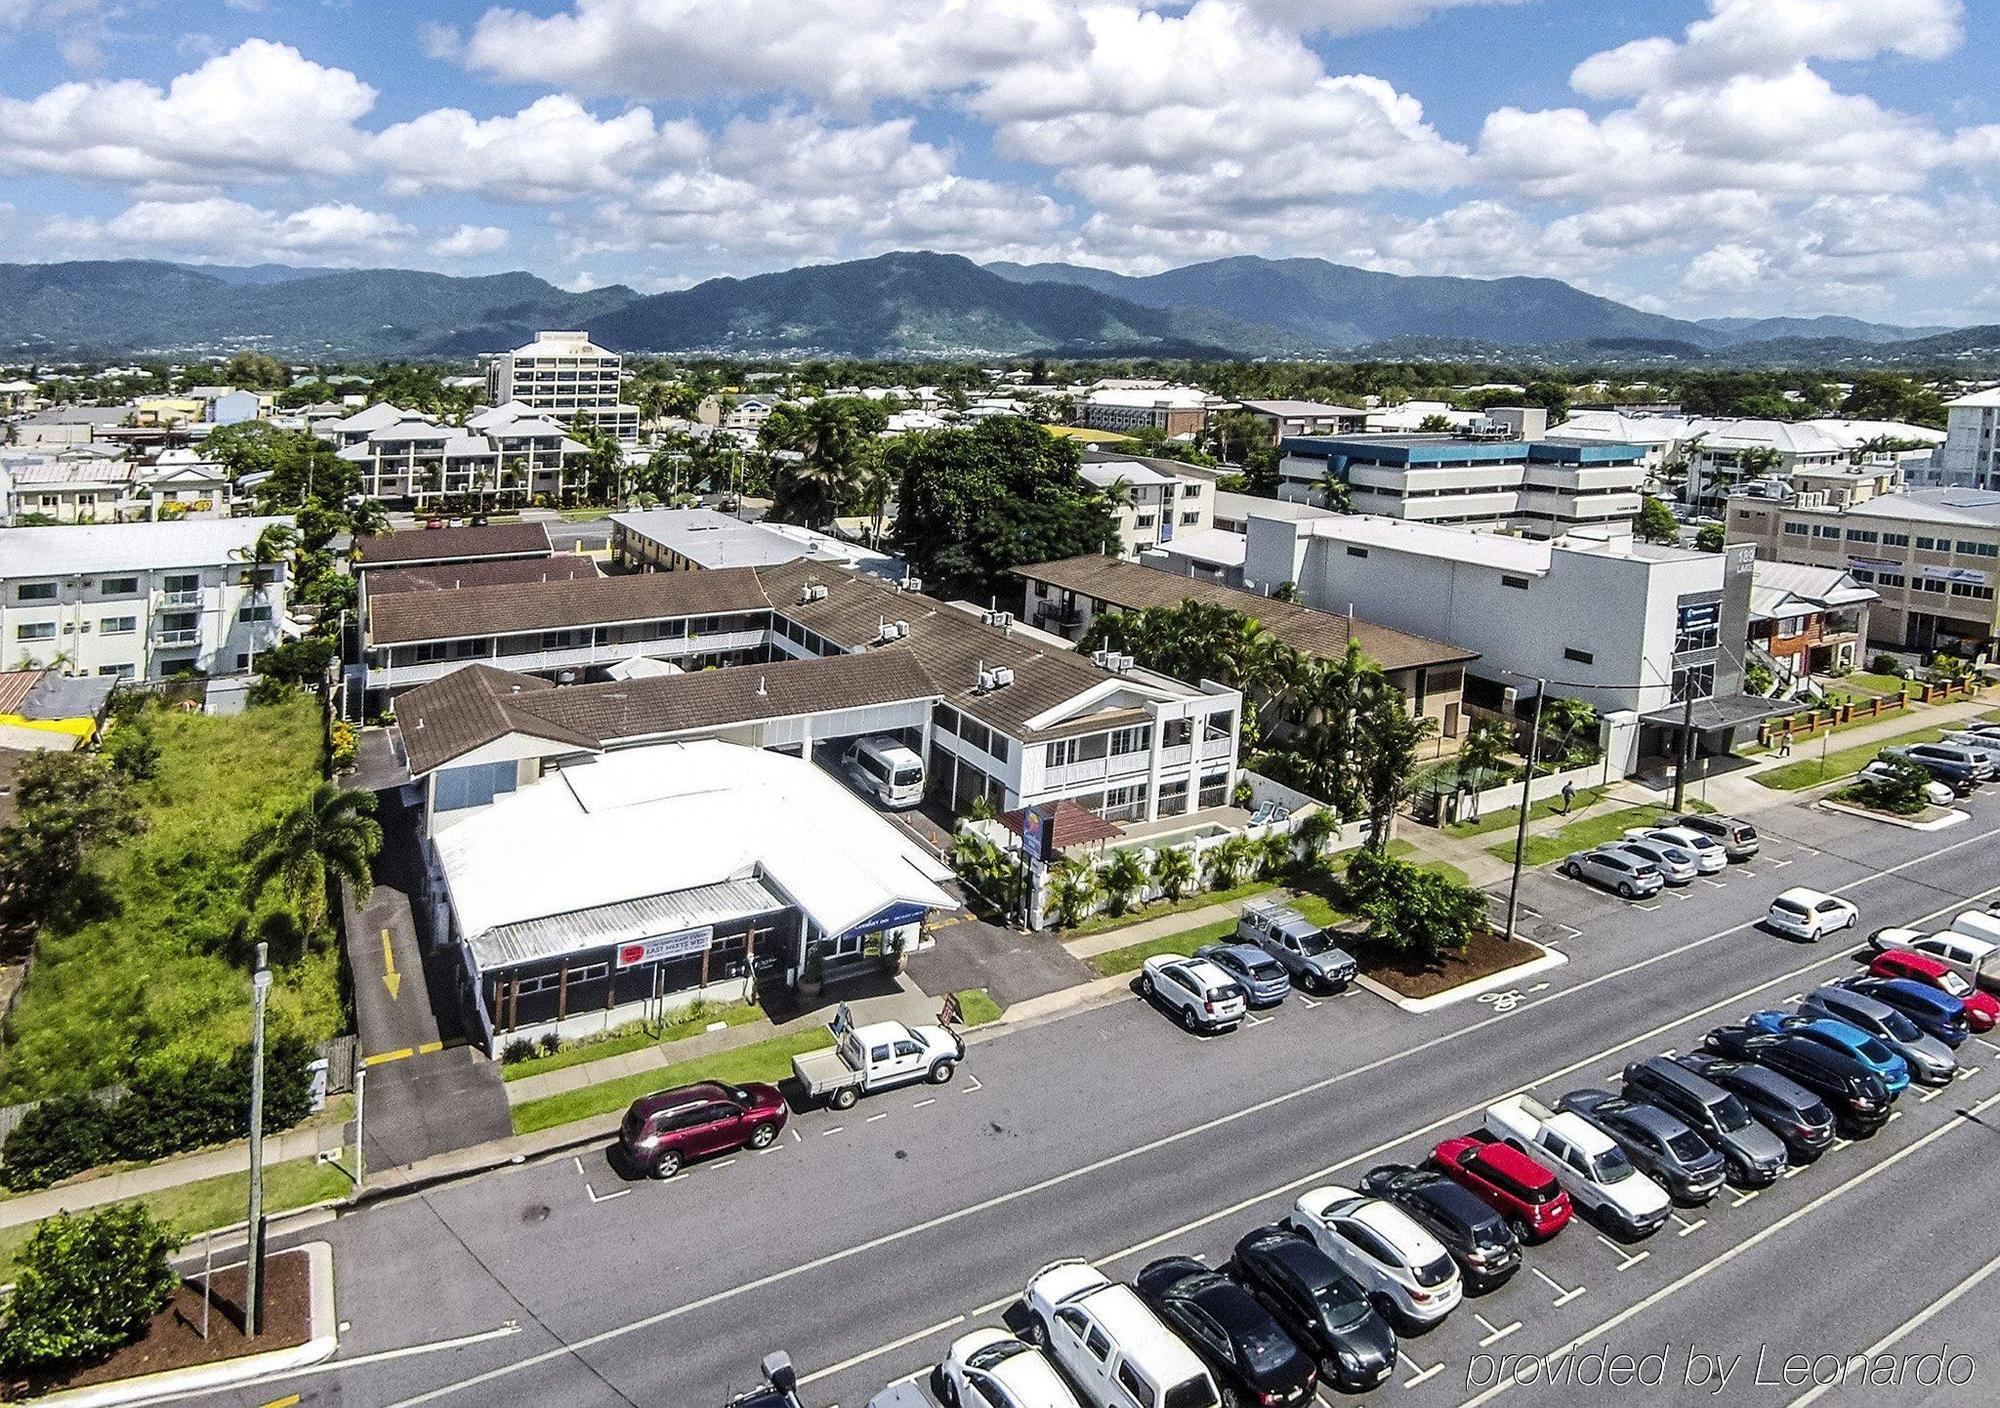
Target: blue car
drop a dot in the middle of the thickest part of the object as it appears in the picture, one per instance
(1935, 1013)
(1260, 975)
(1868, 1050)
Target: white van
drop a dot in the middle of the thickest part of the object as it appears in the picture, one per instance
(1111, 1346)
(1976, 925)
(887, 771)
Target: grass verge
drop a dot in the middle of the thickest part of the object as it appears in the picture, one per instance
(1104, 923)
(1840, 762)
(634, 1038)
(977, 1007)
(1509, 817)
(1585, 834)
(210, 1203)
(764, 1060)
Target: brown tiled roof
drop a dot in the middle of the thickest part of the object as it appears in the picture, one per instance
(444, 544)
(514, 607)
(1131, 587)
(468, 708)
(448, 576)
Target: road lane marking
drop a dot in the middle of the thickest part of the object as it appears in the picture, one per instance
(993, 1305)
(999, 1200)
(830, 1370)
(1755, 1239)
(380, 1058)
(391, 979)
(1916, 1321)
(1494, 1333)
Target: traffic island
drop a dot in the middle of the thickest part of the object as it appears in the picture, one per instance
(172, 1357)
(1929, 819)
(1491, 962)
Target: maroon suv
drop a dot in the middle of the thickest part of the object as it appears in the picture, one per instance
(664, 1130)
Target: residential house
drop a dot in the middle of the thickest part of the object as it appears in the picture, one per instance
(1807, 621)
(1153, 501)
(71, 487)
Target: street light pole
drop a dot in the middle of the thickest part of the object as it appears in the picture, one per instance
(1527, 792)
(260, 987)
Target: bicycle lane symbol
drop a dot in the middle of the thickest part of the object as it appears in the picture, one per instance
(1506, 1000)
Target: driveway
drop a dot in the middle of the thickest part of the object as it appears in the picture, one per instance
(1010, 965)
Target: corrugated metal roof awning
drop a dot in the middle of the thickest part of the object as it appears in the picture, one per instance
(580, 931)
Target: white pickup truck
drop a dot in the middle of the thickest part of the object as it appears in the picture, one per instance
(1598, 1175)
(878, 1056)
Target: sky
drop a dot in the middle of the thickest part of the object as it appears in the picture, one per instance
(1694, 157)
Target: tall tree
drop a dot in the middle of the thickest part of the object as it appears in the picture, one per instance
(1656, 522)
(331, 835)
(64, 804)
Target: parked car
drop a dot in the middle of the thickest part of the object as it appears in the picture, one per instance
(1246, 1348)
(1263, 979)
(1738, 838)
(1659, 1146)
(1893, 1070)
(1585, 1161)
(1632, 876)
(1477, 1236)
(1981, 761)
(1858, 1097)
(1929, 1060)
(1678, 866)
(1509, 1181)
(874, 1057)
(1406, 1270)
(988, 1366)
(1710, 855)
(1979, 744)
(1205, 998)
(1753, 1154)
(662, 1131)
(1795, 1114)
(779, 1387)
(1977, 924)
(1955, 769)
(1982, 1010)
(1936, 793)
(1810, 914)
(1934, 1013)
(1110, 1345)
(1976, 961)
(1321, 1307)
(1313, 959)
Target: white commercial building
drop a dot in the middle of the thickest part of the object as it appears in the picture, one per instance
(507, 454)
(1969, 459)
(140, 600)
(1152, 503)
(565, 375)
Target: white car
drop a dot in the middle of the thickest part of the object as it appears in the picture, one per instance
(989, 1368)
(1810, 914)
(1205, 998)
(1677, 866)
(1974, 959)
(1585, 1160)
(1936, 793)
(1399, 1264)
(1111, 1346)
(1710, 855)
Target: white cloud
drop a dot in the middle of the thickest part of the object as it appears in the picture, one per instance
(260, 111)
(468, 241)
(217, 230)
(552, 150)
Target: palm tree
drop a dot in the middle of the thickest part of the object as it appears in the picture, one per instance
(1227, 860)
(1174, 871)
(368, 518)
(1315, 830)
(1073, 889)
(1122, 879)
(1486, 743)
(1276, 852)
(273, 546)
(332, 835)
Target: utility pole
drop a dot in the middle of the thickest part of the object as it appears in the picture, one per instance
(1687, 744)
(253, 1316)
(1527, 791)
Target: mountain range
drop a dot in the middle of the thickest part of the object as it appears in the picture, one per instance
(905, 305)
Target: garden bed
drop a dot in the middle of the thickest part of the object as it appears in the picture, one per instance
(1487, 955)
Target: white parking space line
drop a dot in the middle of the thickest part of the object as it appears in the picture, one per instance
(1746, 1196)
(830, 1370)
(1729, 1254)
(1932, 1094)
(993, 1305)
(1494, 1333)
(1307, 1001)
(921, 1103)
(1421, 1372)
(872, 1118)
(972, 1083)
(1564, 1294)
(722, 1163)
(835, 1130)
(1793, 1170)
(1813, 1395)
(1718, 884)
(1686, 1226)
(1629, 1260)
(597, 1197)
(1988, 1045)
(1254, 1020)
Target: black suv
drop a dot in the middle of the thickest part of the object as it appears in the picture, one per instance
(1789, 1110)
(1321, 1307)
(1478, 1238)
(1754, 1154)
(1227, 1327)
(1659, 1146)
(1856, 1095)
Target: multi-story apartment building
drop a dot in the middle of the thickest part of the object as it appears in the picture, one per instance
(1177, 410)
(140, 600)
(507, 455)
(69, 488)
(564, 375)
(1541, 488)
(1931, 555)
(1969, 458)
(1151, 501)
(1294, 418)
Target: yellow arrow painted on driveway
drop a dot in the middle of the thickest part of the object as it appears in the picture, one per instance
(390, 977)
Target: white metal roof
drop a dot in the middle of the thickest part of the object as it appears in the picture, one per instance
(1430, 540)
(1105, 473)
(84, 549)
(675, 817)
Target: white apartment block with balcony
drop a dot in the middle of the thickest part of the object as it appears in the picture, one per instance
(564, 375)
(1968, 458)
(1152, 505)
(508, 453)
(140, 600)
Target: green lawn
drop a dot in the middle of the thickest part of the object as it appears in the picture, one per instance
(1810, 769)
(977, 1007)
(1507, 818)
(765, 1060)
(632, 1038)
(1124, 960)
(1871, 682)
(1102, 923)
(158, 969)
(199, 1207)
(1585, 834)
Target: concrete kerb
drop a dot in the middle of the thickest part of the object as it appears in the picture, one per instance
(1506, 977)
(321, 1341)
(1952, 817)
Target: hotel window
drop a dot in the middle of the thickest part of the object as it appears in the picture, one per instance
(1933, 544)
(1696, 681)
(1826, 530)
(1889, 579)
(35, 630)
(1798, 530)
(1214, 790)
(255, 611)
(1860, 535)
(1131, 740)
(1173, 797)
(119, 586)
(118, 625)
(1517, 583)
(1895, 540)
(35, 591)
(1218, 725)
(1972, 549)
(429, 652)
(1176, 733)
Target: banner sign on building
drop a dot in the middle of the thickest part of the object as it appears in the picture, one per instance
(1038, 826)
(894, 917)
(1955, 574)
(663, 946)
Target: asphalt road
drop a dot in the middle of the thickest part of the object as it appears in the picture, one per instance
(865, 1241)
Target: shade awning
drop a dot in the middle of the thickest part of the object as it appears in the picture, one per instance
(1723, 711)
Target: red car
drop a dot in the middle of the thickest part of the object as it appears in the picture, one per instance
(1981, 1008)
(663, 1131)
(1508, 1181)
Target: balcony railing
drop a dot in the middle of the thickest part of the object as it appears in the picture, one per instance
(180, 635)
(192, 598)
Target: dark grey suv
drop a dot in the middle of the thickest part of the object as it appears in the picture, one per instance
(1658, 1145)
(1754, 1154)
